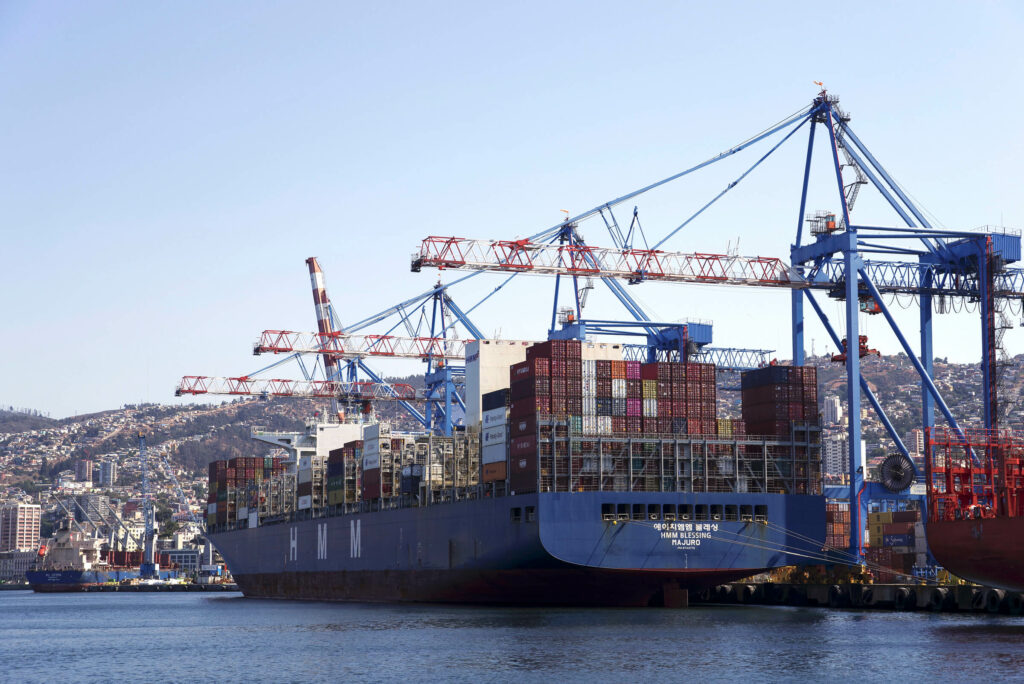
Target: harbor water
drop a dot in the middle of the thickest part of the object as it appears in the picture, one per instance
(224, 637)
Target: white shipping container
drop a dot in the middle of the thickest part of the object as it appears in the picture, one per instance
(376, 431)
(588, 368)
(494, 453)
(618, 388)
(243, 512)
(371, 461)
(305, 502)
(494, 435)
(650, 408)
(604, 425)
(589, 424)
(305, 462)
(211, 508)
(494, 417)
(254, 519)
(305, 476)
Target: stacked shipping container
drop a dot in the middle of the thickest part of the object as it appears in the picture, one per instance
(775, 396)
(897, 541)
(233, 487)
(343, 483)
(837, 525)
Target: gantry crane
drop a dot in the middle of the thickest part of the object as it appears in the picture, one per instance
(969, 265)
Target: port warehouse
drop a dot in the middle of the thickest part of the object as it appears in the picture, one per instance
(562, 423)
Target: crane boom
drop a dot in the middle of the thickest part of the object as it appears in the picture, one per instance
(636, 265)
(320, 389)
(523, 256)
(344, 345)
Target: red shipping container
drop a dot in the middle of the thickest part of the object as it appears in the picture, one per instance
(523, 473)
(664, 389)
(371, 485)
(665, 425)
(618, 424)
(896, 528)
(530, 405)
(539, 351)
(538, 386)
(906, 516)
(648, 371)
(526, 425)
(529, 368)
(619, 370)
(603, 369)
(634, 389)
(525, 444)
(678, 372)
(650, 425)
(634, 424)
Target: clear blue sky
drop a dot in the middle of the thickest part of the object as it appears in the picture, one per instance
(167, 167)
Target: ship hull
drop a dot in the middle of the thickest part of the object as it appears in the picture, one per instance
(548, 549)
(59, 581)
(989, 551)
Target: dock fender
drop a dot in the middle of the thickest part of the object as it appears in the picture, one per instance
(837, 597)
(1014, 603)
(906, 599)
(994, 599)
(938, 598)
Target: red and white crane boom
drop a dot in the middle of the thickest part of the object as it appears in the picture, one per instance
(344, 345)
(319, 389)
(523, 256)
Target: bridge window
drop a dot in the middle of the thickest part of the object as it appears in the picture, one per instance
(700, 512)
(638, 512)
(668, 511)
(716, 512)
(607, 512)
(685, 512)
(654, 512)
(622, 512)
(731, 513)
(746, 514)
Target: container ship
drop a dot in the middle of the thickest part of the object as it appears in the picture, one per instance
(75, 561)
(976, 504)
(580, 479)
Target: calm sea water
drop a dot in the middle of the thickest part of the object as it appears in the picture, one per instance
(226, 638)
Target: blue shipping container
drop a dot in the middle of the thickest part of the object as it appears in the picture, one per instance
(898, 540)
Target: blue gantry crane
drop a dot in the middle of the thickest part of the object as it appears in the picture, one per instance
(914, 258)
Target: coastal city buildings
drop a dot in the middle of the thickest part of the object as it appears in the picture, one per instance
(19, 526)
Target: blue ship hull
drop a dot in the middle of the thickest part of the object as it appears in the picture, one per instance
(551, 548)
(79, 580)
